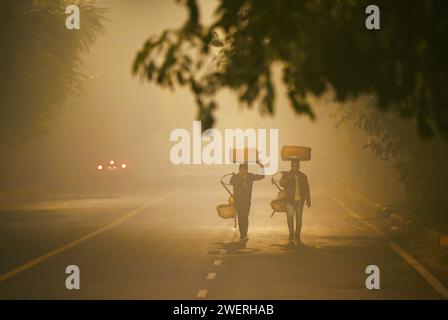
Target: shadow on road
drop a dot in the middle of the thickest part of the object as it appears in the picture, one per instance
(233, 248)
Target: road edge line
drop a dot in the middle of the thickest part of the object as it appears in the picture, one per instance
(424, 273)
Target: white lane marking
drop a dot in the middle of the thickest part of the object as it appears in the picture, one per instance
(431, 279)
(211, 276)
(217, 262)
(71, 244)
(202, 294)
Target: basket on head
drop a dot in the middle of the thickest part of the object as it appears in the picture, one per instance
(289, 153)
(246, 155)
(226, 211)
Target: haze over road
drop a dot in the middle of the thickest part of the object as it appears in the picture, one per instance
(169, 243)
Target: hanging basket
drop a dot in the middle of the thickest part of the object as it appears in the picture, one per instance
(278, 205)
(226, 211)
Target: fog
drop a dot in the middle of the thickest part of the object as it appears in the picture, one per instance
(118, 117)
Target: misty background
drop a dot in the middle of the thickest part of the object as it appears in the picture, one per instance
(118, 117)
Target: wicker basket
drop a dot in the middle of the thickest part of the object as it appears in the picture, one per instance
(289, 153)
(226, 211)
(278, 205)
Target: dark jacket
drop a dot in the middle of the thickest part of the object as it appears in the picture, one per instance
(242, 192)
(288, 183)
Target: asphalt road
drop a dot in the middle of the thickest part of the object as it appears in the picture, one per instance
(168, 243)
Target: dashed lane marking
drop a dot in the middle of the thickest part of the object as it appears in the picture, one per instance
(217, 262)
(211, 276)
(202, 294)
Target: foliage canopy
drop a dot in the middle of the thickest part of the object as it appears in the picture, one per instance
(319, 45)
(40, 62)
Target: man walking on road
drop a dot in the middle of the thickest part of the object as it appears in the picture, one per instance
(242, 192)
(297, 193)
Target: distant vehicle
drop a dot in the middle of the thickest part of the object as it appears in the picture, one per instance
(112, 166)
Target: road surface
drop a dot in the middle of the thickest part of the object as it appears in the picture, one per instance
(170, 244)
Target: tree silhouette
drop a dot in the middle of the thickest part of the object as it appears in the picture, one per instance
(40, 62)
(319, 45)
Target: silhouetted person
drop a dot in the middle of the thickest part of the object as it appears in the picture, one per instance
(297, 193)
(242, 192)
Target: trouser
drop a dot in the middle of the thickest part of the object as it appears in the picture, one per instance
(242, 210)
(294, 209)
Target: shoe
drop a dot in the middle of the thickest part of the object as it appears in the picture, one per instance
(244, 239)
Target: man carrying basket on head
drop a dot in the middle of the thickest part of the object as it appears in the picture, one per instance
(297, 193)
(242, 192)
